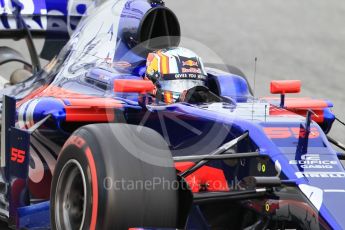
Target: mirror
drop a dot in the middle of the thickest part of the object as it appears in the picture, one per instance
(285, 86)
(133, 86)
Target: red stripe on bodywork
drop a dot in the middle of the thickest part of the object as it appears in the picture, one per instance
(305, 104)
(299, 103)
(294, 106)
(80, 107)
(92, 109)
(78, 114)
(60, 93)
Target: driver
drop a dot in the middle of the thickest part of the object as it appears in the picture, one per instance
(174, 71)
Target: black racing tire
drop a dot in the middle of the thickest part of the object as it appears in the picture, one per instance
(230, 69)
(84, 195)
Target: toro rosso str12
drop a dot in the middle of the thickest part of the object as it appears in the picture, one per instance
(87, 142)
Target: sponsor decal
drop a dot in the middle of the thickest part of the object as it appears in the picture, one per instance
(261, 167)
(191, 70)
(77, 141)
(18, 155)
(190, 63)
(186, 76)
(309, 161)
(289, 132)
(320, 174)
(267, 207)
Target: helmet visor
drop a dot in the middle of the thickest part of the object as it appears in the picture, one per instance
(180, 85)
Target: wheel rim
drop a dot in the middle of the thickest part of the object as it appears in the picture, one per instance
(70, 197)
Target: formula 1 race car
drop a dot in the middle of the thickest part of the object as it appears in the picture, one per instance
(86, 143)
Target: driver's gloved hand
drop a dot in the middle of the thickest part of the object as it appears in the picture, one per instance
(199, 94)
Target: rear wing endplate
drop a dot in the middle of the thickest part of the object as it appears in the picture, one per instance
(15, 157)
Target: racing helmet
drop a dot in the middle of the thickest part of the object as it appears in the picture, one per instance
(174, 71)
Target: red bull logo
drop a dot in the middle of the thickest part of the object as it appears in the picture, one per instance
(191, 70)
(190, 63)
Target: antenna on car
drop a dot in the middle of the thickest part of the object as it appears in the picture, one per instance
(254, 92)
(255, 62)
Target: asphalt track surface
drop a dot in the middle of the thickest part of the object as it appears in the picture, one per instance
(295, 39)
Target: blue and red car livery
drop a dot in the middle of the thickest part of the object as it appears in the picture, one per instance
(98, 77)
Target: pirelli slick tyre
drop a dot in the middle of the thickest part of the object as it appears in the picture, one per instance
(91, 183)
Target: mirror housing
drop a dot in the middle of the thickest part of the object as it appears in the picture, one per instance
(133, 86)
(283, 87)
